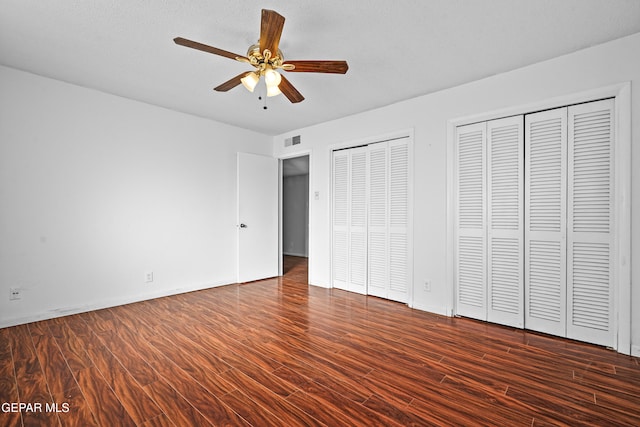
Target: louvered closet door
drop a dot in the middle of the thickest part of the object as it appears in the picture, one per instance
(470, 245)
(505, 189)
(340, 214)
(358, 221)
(389, 220)
(371, 219)
(378, 220)
(589, 233)
(350, 168)
(399, 220)
(545, 221)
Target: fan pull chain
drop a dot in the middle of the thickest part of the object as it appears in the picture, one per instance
(260, 97)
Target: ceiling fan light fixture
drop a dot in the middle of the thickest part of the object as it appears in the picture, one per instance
(272, 77)
(273, 91)
(267, 59)
(250, 81)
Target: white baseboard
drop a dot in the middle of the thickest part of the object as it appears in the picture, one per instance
(320, 285)
(67, 311)
(635, 350)
(430, 309)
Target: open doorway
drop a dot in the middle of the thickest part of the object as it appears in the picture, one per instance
(295, 214)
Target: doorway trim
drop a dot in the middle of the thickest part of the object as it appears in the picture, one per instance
(622, 194)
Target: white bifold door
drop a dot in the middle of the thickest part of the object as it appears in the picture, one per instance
(489, 242)
(569, 232)
(371, 218)
(534, 209)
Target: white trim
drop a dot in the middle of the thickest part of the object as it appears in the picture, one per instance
(622, 158)
(112, 302)
(612, 91)
(280, 215)
(238, 217)
(451, 218)
(622, 218)
(404, 133)
(410, 230)
(295, 154)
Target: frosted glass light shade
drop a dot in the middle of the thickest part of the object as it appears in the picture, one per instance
(250, 81)
(272, 77)
(273, 90)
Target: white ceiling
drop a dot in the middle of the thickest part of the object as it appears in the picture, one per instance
(396, 50)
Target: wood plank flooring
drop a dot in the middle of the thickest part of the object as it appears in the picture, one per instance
(280, 353)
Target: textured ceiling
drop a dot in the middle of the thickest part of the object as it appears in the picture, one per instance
(396, 50)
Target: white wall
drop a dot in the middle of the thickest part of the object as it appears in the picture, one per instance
(295, 212)
(96, 190)
(592, 68)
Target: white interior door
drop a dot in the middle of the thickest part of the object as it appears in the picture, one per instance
(545, 221)
(399, 221)
(590, 257)
(340, 218)
(378, 233)
(372, 218)
(257, 217)
(505, 188)
(550, 213)
(388, 236)
(470, 244)
(358, 221)
(350, 220)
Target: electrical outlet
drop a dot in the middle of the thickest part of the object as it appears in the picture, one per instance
(15, 293)
(148, 276)
(427, 285)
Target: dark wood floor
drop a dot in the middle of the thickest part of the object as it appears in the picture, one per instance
(279, 353)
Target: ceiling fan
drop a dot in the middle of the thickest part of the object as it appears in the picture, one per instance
(266, 58)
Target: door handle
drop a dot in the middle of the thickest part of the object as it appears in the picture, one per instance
(243, 225)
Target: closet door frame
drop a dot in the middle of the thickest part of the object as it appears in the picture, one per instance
(400, 134)
(621, 93)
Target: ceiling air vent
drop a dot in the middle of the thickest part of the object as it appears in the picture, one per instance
(295, 140)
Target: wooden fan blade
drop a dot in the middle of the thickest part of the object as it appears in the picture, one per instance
(270, 31)
(231, 83)
(337, 67)
(289, 91)
(206, 48)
